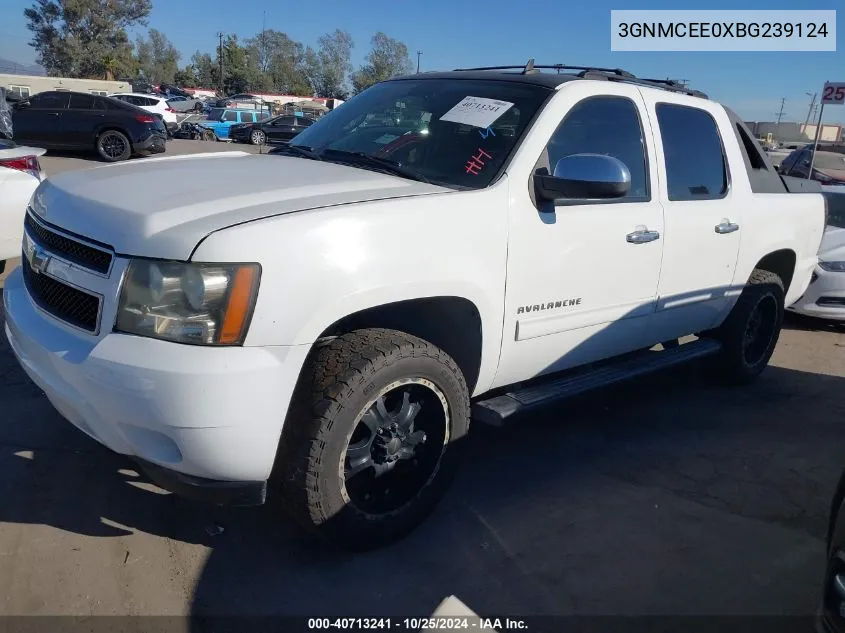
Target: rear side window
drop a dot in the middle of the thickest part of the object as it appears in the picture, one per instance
(692, 148)
(81, 102)
(230, 116)
(247, 117)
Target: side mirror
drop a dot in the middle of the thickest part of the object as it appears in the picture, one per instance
(585, 177)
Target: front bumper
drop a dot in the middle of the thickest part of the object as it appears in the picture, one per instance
(209, 413)
(824, 297)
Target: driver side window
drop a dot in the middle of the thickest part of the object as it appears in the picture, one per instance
(606, 125)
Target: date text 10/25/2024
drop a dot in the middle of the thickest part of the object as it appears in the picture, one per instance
(452, 623)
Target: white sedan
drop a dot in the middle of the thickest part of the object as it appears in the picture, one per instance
(20, 174)
(825, 297)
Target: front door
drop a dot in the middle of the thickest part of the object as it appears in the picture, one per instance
(703, 223)
(582, 274)
(38, 123)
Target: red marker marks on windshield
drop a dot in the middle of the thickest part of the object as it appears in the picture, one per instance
(476, 163)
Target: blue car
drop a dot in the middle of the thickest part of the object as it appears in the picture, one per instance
(221, 119)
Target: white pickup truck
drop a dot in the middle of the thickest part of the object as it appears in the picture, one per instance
(322, 323)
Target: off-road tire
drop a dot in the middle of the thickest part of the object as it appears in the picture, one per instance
(117, 136)
(334, 389)
(208, 135)
(765, 291)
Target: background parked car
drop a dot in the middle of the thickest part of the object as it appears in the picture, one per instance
(151, 103)
(280, 129)
(828, 167)
(185, 104)
(220, 120)
(76, 120)
(243, 101)
(825, 297)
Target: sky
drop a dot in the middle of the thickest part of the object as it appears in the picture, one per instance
(454, 34)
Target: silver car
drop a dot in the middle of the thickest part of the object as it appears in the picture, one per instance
(185, 104)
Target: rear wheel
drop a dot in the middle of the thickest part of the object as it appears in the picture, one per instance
(208, 135)
(113, 146)
(197, 107)
(258, 137)
(374, 438)
(751, 331)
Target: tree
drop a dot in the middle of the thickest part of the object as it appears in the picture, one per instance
(204, 69)
(387, 58)
(158, 59)
(330, 65)
(109, 65)
(279, 63)
(73, 36)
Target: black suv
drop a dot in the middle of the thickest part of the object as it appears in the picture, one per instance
(76, 120)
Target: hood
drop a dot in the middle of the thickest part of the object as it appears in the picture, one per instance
(832, 248)
(163, 207)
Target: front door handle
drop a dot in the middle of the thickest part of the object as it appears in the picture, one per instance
(726, 226)
(642, 236)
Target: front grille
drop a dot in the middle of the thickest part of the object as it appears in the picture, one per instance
(838, 302)
(66, 248)
(62, 301)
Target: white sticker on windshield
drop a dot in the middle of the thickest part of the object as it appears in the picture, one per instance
(384, 140)
(477, 111)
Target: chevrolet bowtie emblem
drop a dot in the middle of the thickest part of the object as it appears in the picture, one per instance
(38, 259)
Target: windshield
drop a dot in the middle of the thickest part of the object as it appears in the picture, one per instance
(829, 160)
(451, 132)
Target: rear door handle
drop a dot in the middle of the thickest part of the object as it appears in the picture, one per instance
(642, 236)
(726, 226)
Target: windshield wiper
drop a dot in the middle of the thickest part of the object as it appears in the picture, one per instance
(298, 150)
(385, 164)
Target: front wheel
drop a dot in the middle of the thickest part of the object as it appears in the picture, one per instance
(113, 146)
(375, 436)
(258, 137)
(751, 331)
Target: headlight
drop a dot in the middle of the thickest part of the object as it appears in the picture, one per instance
(202, 304)
(833, 267)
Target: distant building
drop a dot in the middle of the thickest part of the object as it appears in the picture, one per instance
(28, 85)
(795, 133)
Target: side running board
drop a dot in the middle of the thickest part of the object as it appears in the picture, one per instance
(497, 409)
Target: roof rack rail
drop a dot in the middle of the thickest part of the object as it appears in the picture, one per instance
(595, 72)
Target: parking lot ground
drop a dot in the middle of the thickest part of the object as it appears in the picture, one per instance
(666, 496)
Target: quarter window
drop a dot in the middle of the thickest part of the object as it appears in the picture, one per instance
(605, 125)
(692, 148)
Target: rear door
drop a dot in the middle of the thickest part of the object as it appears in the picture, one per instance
(80, 120)
(38, 123)
(702, 212)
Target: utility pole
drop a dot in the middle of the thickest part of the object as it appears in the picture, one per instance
(220, 61)
(816, 142)
(263, 60)
(780, 114)
(418, 61)
(810, 111)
